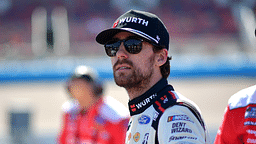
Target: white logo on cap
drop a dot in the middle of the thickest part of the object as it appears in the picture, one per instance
(158, 38)
(134, 20)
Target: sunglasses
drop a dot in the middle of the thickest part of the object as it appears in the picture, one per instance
(132, 45)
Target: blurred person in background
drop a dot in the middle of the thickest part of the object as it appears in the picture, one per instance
(89, 117)
(239, 121)
(138, 46)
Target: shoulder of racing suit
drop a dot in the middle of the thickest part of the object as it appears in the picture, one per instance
(243, 98)
(71, 106)
(113, 110)
(170, 101)
(162, 103)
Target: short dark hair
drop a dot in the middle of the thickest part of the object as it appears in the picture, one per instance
(165, 68)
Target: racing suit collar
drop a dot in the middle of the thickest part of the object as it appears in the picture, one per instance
(141, 103)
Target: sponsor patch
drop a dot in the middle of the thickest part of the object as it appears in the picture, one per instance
(144, 119)
(129, 125)
(145, 141)
(115, 24)
(134, 20)
(145, 101)
(184, 142)
(133, 108)
(180, 127)
(158, 38)
(249, 140)
(175, 138)
(250, 123)
(129, 136)
(155, 115)
(179, 117)
(251, 132)
(250, 112)
(136, 137)
(164, 99)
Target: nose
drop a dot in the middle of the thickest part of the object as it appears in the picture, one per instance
(122, 53)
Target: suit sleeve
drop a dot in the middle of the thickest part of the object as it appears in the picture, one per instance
(119, 132)
(63, 130)
(178, 125)
(227, 132)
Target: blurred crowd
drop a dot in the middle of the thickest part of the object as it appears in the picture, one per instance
(183, 18)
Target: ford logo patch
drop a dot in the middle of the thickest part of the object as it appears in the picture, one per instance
(144, 119)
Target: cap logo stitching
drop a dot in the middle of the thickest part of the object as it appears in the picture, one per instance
(158, 38)
(134, 20)
(115, 24)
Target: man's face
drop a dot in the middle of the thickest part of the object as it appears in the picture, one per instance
(82, 91)
(133, 70)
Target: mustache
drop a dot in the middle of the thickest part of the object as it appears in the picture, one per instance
(124, 61)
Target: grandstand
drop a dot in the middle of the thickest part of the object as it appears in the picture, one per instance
(186, 21)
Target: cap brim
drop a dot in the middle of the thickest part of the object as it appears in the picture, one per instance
(107, 35)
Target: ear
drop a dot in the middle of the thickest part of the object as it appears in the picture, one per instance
(161, 57)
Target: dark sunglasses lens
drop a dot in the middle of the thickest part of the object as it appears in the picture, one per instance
(111, 48)
(133, 46)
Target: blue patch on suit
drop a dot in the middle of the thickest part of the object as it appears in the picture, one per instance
(250, 112)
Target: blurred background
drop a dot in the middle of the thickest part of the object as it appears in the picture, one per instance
(41, 42)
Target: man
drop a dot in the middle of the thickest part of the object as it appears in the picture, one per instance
(138, 46)
(89, 117)
(239, 121)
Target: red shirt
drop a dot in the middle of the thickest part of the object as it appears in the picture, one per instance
(239, 121)
(105, 123)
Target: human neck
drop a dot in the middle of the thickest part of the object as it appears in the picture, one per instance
(94, 102)
(138, 90)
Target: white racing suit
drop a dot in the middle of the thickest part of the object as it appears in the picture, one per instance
(164, 116)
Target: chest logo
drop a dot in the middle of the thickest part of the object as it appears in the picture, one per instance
(250, 112)
(145, 101)
(136, 137)
(144, 119)
(179, 118)
(145, 141)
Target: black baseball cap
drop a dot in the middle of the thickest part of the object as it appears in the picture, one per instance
(143, 24)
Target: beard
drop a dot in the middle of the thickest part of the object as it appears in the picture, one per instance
(136, 79)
